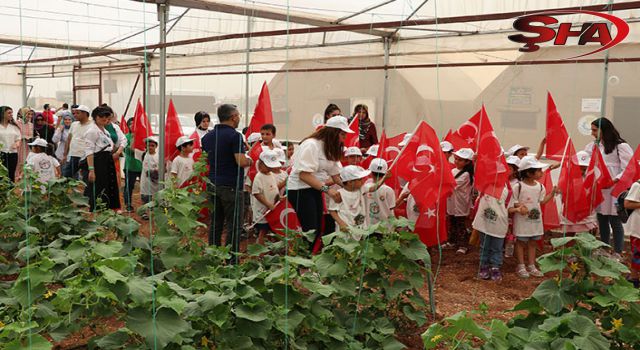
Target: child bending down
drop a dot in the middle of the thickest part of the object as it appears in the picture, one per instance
(351, 210)
(528, 195)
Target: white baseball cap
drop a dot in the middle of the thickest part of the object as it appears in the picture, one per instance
(282, 157)
(254, 137)
(530, 162)
(270, 158)
(82, 108)
(182, 140)
(352, 151)
(406, 139)
(465, 153)
(515, 148)
(353, 172)
(152, 139)
(379, 166)
(513, 160)
(373, 150)
(339, 122)
(446, 146)
(583, 158)
(39, 142)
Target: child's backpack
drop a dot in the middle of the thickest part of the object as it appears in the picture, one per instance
(623, 213)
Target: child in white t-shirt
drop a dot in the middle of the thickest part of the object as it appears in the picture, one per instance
(182, 165)
(460, 201)
(45, 166)
(265, 191)
(381, 202)
(528, 195)
(352, 210)
(281, 172)
(492, 223)
(632, 201)
(149, 177)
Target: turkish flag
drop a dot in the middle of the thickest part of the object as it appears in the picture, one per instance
(596, 179)
(468, 134)
(431, 225)
(630, 175)
(123, 125)
(388, 148)
(422, 162)
(254, 154)
(556, 134)
(197, 146)
(492, 171)
(262, 114)
(283, 218)
(141, 130)
(550, 213)
(172, 132)
(574, 199)
(353, 139)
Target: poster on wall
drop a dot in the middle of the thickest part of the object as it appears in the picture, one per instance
(591, 105)
(370, 102)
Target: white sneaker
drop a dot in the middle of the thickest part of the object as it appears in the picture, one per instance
(447, 245)
(521, 271)
(533, 271)
(462, 250)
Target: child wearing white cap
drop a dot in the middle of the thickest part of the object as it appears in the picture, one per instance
(353, 155)
(352, 209)
(45, 166)
(381, 202)
(460, 201)
(528, 195)
(182, 165)
(265, 190)
(281, 172)
(149, 181)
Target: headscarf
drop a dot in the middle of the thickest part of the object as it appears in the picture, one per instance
(39, 128)
(65, 115)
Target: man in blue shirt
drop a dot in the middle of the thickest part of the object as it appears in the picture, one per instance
(226, 154)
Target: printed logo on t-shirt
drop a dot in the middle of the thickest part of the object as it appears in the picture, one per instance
(374, 208)
(490, 215)
(44, 164)
(534, 214)
(359, 219)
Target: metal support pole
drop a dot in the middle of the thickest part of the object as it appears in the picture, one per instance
(605, 77)
(163, 10)
(385, 96)
(24, 85)
(246, 74)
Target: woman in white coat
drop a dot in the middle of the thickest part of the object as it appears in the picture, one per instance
(616, 154)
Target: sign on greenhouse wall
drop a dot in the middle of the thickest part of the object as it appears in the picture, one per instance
(559, 32)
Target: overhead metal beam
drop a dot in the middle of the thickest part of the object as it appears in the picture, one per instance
(412, 14)
(365, 10)
(262, 12)
(53, 45)
(343, 27)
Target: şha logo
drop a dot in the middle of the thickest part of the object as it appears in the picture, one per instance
(591, 32)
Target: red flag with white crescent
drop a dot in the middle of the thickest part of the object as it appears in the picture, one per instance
(283, 218)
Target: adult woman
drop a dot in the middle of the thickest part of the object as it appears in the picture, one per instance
(41, 129)
(10, 138)
(25, 123)
(332, 110)
(368, 135)
(616, 153)
(316, 160)
(101, 168)
(61, 134)
(119, 140)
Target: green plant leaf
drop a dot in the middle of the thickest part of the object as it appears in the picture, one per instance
(255, 313)
(414, 250)
(113, 341)
(624, 292)
(111, 275)
(315, 287)
(328, 266)
(108, 250)
(37, 342)
(168, 325)
(418, 316)
(299, 261)
(395, 288)
(288, 324)
(140, 290)
(553, 297)
(177, 304)
(175, 257)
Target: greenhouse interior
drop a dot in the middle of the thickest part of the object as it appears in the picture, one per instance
(299, 174)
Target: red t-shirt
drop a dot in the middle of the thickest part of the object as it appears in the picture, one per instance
(49, 116)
